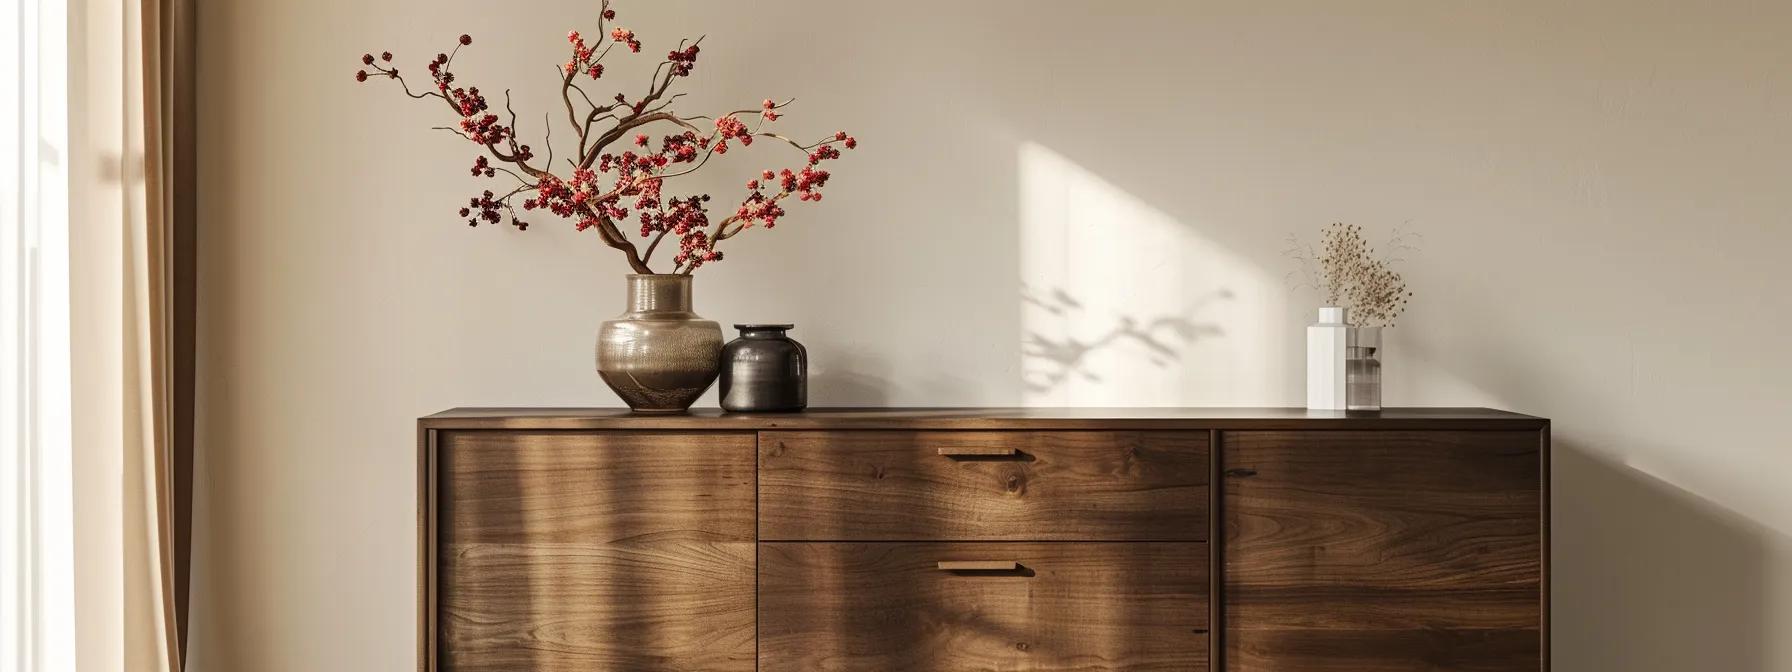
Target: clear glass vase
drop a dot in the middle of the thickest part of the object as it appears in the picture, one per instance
(1362, 369)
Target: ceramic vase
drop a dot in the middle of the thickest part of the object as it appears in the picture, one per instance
(659, 356)
(764, 370)
(1327, 344)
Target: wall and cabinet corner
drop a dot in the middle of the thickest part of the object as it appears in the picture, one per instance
(982, 539)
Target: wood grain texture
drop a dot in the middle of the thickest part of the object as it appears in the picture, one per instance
(710, 419)
(1216, 555)
(1334, 650)
(564, 487)
(1382, 550)
(886, 606)
(896, 486)
(576, 551)
(658, 605)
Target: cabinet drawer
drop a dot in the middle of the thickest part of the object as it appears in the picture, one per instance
(562, 552)
(1090, 607)
(995, 486)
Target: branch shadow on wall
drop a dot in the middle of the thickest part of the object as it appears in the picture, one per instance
(1050, 363)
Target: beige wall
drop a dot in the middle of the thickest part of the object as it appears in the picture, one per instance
(1602, 187)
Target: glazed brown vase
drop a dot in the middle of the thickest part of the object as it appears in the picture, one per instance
(659, 356)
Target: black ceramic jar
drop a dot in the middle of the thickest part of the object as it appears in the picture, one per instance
(764, 370)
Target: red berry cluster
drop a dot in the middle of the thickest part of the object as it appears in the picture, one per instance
(679, 216)
(367, 59)
(806, 184)
(684, 147)
(479, 125)
(555, 196)
(730, 128)
(581, 197)
(759, 208)
(487, 208)
(476, 122)
(482, 167)
(696, 248)
(626, 36)
(485, 129)
(682, 60)
(768, 110)
(647, 194)
(583, 57)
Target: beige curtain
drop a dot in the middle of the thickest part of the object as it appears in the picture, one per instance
(131, 243)
(170, 186)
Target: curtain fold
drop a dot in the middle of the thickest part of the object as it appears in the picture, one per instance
(131, 222)
(167, 284)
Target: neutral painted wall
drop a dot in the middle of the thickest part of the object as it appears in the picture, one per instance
(1054, 203)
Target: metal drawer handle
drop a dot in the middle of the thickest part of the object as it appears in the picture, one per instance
(978, 451)
(978, 566)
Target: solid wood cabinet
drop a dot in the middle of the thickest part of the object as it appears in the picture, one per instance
(983, 539)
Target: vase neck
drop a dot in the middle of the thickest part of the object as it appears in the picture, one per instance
(659, 294)
(764, 330)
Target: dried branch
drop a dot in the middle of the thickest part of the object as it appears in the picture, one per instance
(1348, 272)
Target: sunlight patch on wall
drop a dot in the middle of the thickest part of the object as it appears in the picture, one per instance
(1124, 305)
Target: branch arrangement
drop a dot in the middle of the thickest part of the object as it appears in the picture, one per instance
(600, 188)
(1351, 274)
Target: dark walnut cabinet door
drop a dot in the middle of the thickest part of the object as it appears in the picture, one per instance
(965, 607)
(564, 551)
(1352, 551)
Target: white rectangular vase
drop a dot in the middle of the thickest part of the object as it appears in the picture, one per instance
(1327, 342)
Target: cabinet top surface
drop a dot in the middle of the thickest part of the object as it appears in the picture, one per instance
(983, 418)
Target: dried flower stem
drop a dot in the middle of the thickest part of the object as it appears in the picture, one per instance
(1348, 272)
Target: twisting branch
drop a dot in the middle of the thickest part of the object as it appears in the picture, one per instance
(519, 178)
(794, 143)
(648, 255)
(547, 130)
(611, 192)
(566, 87)
(622, 128)
(667, 102)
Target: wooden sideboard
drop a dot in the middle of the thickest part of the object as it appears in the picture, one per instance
(926, 540)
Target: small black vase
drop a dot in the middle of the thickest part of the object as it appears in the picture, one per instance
(764, 370)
